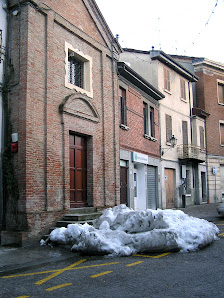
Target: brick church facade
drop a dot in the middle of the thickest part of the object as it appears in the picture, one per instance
(64, 113)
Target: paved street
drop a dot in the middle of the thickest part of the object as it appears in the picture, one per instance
(198, 274)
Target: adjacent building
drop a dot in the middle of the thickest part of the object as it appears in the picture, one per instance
(139, 140)
(210, 97)
(183, 168)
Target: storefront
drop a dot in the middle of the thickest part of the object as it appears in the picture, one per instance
(140, 174)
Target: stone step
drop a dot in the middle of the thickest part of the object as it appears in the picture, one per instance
(81, 217)
(64, 223)
(82, 210)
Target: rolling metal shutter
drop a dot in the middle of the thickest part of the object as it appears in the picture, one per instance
(151, 187)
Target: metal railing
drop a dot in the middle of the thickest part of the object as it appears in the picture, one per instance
(191, 152)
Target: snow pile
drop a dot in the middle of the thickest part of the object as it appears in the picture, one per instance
(122, 231)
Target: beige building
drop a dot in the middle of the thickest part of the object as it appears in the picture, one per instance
(182, 130)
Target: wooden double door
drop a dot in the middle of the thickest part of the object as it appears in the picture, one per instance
(78, 171)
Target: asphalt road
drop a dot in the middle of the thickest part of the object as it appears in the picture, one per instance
(198, 274)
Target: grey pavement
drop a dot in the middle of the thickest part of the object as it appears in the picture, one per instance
(16, 259)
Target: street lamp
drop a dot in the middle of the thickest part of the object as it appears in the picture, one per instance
(173, 142)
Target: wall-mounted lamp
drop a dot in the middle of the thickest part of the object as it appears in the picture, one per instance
(173, 142)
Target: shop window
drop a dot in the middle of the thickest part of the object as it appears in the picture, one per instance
(78, 71)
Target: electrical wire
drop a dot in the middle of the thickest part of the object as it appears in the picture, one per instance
(206, 24)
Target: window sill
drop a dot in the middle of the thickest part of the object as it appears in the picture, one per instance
(167, 91)
(124, 127)
(220, 103)
(150, 138)
(184, 100)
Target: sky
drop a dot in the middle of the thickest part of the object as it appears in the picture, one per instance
(191, 28)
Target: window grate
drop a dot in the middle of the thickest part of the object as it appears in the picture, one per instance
(75, 72)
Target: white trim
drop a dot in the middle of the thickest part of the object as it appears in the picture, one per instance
(87, 71)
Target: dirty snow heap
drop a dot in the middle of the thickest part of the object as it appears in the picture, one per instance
(122, 231)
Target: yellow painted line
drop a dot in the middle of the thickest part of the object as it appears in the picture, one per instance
(23, 297)
(221, 234)
(92, 266)
(133, 264)
(58, 287)
(59, 272)
(153, 257)
(219, 224)
(100, 274)
(56, 270)
(27, 274)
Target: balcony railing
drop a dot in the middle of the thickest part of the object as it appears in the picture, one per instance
(191, 152)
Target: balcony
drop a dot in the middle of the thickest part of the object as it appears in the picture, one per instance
(191, 153)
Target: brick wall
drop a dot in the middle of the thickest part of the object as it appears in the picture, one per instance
(207, 99)
(133, 139)
(42, 163)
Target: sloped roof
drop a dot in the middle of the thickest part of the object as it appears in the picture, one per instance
(132, 76)
(169, 61)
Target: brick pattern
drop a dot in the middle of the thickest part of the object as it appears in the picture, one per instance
(207, 99)
(133, 139)
(43, 157)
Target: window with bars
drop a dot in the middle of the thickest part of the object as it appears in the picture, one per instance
(168, 128)
(167, 79)
(221, 93)
(78, 70)
(122, 95)
(182, 89)
(75, 72)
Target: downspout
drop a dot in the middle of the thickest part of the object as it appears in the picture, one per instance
(207, 184)
(63, 155)
(45, 116)
(103, 132)
(114, 126)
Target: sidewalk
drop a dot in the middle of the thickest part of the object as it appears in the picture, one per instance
(16, 259)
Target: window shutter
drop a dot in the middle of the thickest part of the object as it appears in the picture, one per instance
(221, 93)
(222, 133)
(145, 115)
(166, 79)
(168, 128)
(152, 126)
(202, 137)
(122, 94)
(185, 132)
(182, 89)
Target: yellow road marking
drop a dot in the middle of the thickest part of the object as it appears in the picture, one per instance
(58, 287)
(218, 224)
(27, 274)
(221, 234)
(23, 297)
(153, 257)
(100, 274)
(56, 270)
(136, 263)
(59, 272)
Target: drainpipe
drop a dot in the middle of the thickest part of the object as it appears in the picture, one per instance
(114, 126)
